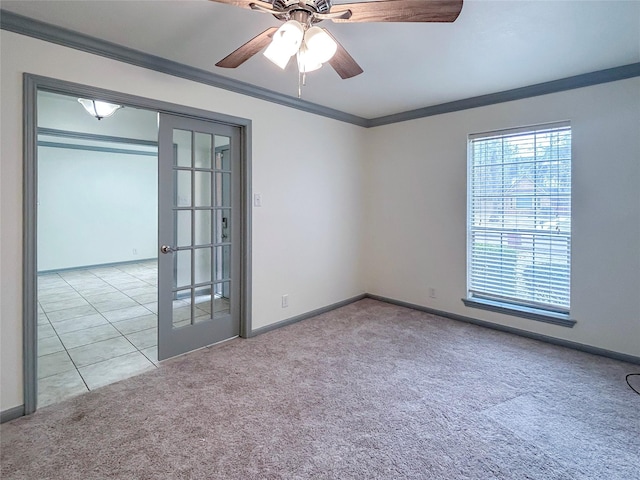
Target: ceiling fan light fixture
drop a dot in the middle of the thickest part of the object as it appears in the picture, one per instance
(319, 45)
(286, 42)
(99, 109)
(303, 13)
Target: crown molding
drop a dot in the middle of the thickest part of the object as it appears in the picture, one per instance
(569, 83)
(61, 36)
(68, 38)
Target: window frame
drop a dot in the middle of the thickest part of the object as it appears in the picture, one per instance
(559, 316)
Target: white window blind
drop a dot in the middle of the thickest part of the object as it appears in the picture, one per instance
(519, 217)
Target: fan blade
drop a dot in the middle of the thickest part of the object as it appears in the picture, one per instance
(244, 3)
(342, 62)
(248, 50)
(400, 11)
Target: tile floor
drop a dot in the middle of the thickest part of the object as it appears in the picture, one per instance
(95, 326)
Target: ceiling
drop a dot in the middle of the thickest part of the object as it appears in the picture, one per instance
(493, 46)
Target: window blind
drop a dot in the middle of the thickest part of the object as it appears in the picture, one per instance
(519, 217)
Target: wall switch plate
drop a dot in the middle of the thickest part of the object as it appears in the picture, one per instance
(285, 301)
(257, 199)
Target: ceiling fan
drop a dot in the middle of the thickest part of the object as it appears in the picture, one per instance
(314, 46)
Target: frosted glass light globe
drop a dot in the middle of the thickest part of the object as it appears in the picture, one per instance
(286, 41)
(320, 45)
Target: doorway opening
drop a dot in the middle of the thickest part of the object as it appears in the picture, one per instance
(97, 214)
(105, 294)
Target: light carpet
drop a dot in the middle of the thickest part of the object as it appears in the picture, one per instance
(367, 391)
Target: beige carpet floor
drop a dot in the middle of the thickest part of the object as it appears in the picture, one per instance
(368, 391)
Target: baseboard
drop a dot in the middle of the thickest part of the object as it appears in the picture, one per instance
(305, 316)
(11, 414)
(454, 316)
(98, 265)
(503, 328)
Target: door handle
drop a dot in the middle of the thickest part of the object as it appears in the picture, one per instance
(166, 249)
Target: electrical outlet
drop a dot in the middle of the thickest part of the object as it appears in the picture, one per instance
(135, 251)
(285, 301)
(257, 199)
(432, 292)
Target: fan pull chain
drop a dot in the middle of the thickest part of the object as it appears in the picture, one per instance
(302, 82)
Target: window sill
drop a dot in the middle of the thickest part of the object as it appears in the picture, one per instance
(519, 311)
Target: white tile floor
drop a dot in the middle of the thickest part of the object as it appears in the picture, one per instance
(95, 326)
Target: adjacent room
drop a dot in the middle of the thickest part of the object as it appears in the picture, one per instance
(97, 257)
(318, 239)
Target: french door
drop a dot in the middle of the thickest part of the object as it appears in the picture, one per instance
(198, 233)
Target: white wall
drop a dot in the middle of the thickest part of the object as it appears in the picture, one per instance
(306, 236)
(95, 207)
(416, 210)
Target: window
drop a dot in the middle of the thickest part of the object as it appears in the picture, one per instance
(519, 222)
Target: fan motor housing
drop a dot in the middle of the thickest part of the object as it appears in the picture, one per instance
(318, 6)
